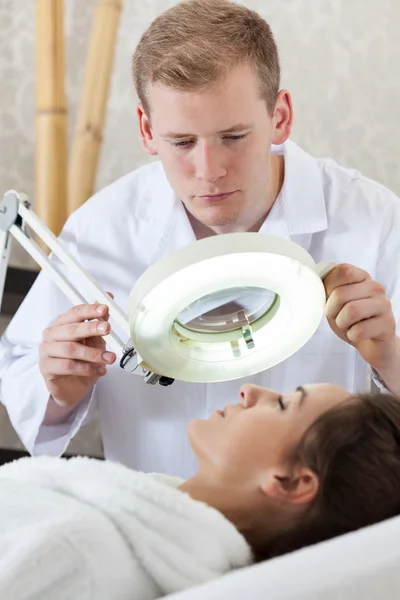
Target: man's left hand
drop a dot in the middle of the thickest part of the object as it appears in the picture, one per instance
(360, 313)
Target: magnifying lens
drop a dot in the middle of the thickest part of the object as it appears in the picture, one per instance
(226, 307)
(222, 308)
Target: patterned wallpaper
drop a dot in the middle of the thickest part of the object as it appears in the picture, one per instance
(340, 60)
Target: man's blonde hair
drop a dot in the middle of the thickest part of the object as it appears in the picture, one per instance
(196, 43)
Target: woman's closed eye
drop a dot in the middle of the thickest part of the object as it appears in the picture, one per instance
(281, 403)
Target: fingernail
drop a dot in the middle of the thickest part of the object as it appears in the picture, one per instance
(102, 327)
(101, 370)
(100, 308)
(108, 356)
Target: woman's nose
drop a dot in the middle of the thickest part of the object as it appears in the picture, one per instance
(248, 395)
(252, 394)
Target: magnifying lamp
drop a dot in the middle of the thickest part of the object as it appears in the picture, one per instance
(221, 308)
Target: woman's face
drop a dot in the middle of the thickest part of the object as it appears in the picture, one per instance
(258, 431)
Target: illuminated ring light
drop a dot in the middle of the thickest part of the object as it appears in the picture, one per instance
(171, 338)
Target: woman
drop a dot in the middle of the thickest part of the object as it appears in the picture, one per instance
(275, 473)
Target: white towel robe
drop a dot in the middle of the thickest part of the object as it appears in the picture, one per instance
(86, 529)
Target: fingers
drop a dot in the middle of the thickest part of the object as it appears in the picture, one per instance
(76, 351)
(81, 313)
(106, 317)
(360, 310)
(346, 295)
(95, 342)
(372, 329)
(343, 275)
(56, 367)
(76, 331)
(74, 345)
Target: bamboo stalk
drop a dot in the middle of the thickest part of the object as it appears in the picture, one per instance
(51, 116)
(91, 113)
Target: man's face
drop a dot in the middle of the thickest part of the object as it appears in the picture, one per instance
(215, 146)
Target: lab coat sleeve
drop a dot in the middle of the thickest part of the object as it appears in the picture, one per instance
(22, 388)
(388, 269)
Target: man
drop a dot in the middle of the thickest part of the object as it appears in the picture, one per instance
(207, 76)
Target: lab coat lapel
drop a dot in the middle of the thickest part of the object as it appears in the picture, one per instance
(176, 232)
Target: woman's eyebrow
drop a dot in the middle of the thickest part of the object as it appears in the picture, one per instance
(303, 392)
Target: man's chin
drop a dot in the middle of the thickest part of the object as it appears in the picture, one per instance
(216, 217)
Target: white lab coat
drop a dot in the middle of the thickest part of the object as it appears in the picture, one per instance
(334, 213)
(92, 530)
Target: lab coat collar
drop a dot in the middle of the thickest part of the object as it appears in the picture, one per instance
(298, 209)
(175, 231)
(301, 203)
(171, 228)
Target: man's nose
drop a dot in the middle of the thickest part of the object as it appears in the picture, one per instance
(209, 163)
(252, 394)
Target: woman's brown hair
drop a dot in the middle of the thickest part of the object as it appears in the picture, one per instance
(354, 449)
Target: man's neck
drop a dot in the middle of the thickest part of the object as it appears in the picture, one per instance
(254, 221)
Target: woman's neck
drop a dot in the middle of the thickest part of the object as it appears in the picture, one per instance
(221, 497)
(239, 507)
(255, 517)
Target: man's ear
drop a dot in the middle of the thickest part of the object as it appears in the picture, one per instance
(298, 487)
(145, 131)
(282, 119)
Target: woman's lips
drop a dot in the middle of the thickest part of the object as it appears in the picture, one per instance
(221, 412)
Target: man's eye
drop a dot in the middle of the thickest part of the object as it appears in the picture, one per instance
(236, 137)
(232, 138)
(182, 144)
(281, 404)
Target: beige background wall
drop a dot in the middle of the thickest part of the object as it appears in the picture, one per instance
(340, 59)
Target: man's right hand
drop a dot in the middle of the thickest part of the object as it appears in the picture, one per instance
(73, 353)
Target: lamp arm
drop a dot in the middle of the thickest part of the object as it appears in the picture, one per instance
(15, 215)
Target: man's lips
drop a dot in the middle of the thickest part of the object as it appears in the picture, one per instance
(215, 197)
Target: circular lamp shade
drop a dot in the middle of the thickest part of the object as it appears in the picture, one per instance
(226, 307)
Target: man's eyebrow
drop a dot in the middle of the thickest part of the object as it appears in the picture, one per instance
(238, 127)
(304, 394)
